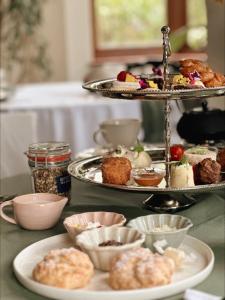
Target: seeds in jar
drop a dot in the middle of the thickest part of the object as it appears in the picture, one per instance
(52, 180)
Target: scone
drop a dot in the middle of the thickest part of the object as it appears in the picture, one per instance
(116, 170)
(140, 268)
(64, 268)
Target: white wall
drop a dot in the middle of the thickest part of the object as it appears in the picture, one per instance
(67, 29)
(53, 30)
(77, 21)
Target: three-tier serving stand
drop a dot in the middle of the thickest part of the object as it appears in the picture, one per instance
(161, 199)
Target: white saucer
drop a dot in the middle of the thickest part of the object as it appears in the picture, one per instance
(192, 274)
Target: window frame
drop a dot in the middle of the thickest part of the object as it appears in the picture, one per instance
(175, 21)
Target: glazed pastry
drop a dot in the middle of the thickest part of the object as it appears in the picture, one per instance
(140, 268)
(64, 268)
(208, 171)
(217, 80)
(209, 78)
(116, 170)
(182, 175)
(221, 158)
(197, 154)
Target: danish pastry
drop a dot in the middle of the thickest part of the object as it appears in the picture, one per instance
(64, 268)
(208, 77)
(139, 268)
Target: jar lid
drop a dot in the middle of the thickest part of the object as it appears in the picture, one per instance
(49, 147)
(49, 151)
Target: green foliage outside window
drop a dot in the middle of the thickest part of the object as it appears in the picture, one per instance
(130, 23)
(137, 23)
(23, 50)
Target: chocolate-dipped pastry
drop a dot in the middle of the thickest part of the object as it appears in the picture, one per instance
(209, 171)
(221, 158)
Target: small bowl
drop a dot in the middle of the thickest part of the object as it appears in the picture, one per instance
(75, 224)
(102, 256)
(150, 224)
(145, 177)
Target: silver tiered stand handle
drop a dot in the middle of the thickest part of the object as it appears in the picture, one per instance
(165, 202)
(166, 53)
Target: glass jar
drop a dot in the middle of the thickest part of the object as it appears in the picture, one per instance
(48, 162)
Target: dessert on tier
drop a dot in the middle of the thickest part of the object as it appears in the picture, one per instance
(194, 74)
(205, 73)
(197, 154)
(128, 81)
(194, 166)
(182, 175)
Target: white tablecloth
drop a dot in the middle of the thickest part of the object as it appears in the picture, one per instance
(63, 111)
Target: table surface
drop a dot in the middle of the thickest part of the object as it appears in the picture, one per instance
(208, 217)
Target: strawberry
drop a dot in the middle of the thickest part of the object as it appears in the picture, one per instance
(122, 76)
(176, 152)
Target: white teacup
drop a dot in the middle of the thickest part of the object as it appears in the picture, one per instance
(35, 211)
(118, 132)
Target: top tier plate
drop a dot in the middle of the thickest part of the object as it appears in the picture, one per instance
(105, 88)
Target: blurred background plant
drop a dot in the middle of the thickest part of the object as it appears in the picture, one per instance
(23, 50)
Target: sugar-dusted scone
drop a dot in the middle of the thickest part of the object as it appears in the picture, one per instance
(116, 170)
(64, 268)
(139, 268)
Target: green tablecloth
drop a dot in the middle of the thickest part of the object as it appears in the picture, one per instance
(208, 216)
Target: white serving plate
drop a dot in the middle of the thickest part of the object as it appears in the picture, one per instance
(192, 274)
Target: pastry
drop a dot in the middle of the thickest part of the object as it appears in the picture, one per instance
(116, 170)
(221, 158)
(209, 78)
(64, 268)
(208, 171)
(182, 175)
(128, 81)
(197, 154)
(192, 81)
(217, 80)
(140, 268)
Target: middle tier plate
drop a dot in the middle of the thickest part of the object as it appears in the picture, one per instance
(89, 170)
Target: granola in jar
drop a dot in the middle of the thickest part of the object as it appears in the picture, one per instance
(48, 163)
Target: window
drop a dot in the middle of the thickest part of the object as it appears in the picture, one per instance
(132, 27)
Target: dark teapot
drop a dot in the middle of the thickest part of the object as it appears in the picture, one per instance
(200, 125)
